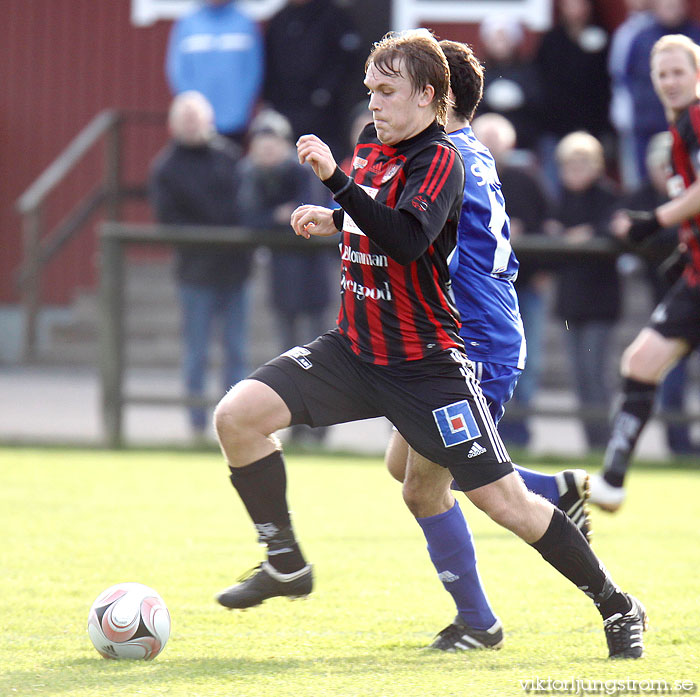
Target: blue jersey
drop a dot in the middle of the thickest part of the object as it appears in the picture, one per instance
(484, 267)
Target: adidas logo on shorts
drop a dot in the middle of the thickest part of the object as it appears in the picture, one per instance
(476, 450)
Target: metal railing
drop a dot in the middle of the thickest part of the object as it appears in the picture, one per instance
(41, 245)
(114, 238)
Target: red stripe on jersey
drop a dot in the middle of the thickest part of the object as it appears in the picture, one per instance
(679, 157)
(437, 187)
(689, 232)
(446, 305)
(413, 351)
(440, 168)
(438, 173)
(361, 174)
(437, 157)
(373, 312)
(404, 312)
(443, 337)
(392, 197)
(350, 301)
(404, 307)
(341, 316)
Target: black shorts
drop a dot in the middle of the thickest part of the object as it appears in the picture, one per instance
(435, 403)
(677, 316)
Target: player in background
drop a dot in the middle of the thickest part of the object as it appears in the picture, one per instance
(673, 330)
(483, 269)
(396, 350)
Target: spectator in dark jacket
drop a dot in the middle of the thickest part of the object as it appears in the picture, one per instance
(511, 81)
(588, 293)
(572, 60)
(273, 184)
(311, 52)
(193, 182)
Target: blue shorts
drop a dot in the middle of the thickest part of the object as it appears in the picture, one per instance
(497, 383)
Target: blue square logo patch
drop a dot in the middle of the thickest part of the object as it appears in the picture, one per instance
(456, 423)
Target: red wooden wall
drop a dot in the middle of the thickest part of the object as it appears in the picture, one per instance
(61, 62)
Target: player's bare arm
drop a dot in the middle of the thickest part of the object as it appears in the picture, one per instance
(310, 220)
(312, 149)
(681, 208)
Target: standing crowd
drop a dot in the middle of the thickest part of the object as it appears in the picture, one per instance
(571, 152)
(241, 99)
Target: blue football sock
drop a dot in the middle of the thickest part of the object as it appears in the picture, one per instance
(543, 484)
(452, 552)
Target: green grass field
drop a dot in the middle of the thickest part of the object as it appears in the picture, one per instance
(77, 521)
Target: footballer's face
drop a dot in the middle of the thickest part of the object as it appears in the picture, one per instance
(675, 79)
(398, 110)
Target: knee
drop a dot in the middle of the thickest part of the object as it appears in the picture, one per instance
(246, 419)
(425, 498)
(499, 510)
(635, 364)
(504, 501)
(225, 414)
(413, 496)
(230, 417)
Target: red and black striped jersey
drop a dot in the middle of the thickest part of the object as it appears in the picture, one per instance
(685, 157)
(401, 210)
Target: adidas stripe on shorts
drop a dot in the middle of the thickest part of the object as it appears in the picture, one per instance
(435, 403)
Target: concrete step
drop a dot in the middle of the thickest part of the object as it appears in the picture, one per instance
(153, 337)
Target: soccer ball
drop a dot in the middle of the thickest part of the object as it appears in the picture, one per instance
(129, 620)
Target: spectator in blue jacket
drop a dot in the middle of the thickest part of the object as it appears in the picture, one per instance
(218, 51)
(638, 17)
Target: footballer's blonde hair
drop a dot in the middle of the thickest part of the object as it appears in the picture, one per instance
(680, 41)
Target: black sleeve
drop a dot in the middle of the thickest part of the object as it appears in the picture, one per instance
(398, 233)
(405, 232)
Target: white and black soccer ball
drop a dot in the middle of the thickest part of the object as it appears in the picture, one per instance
(129, 620)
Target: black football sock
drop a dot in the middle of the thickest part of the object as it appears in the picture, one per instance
(262, 486)
(566, 549)
(634, 408)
